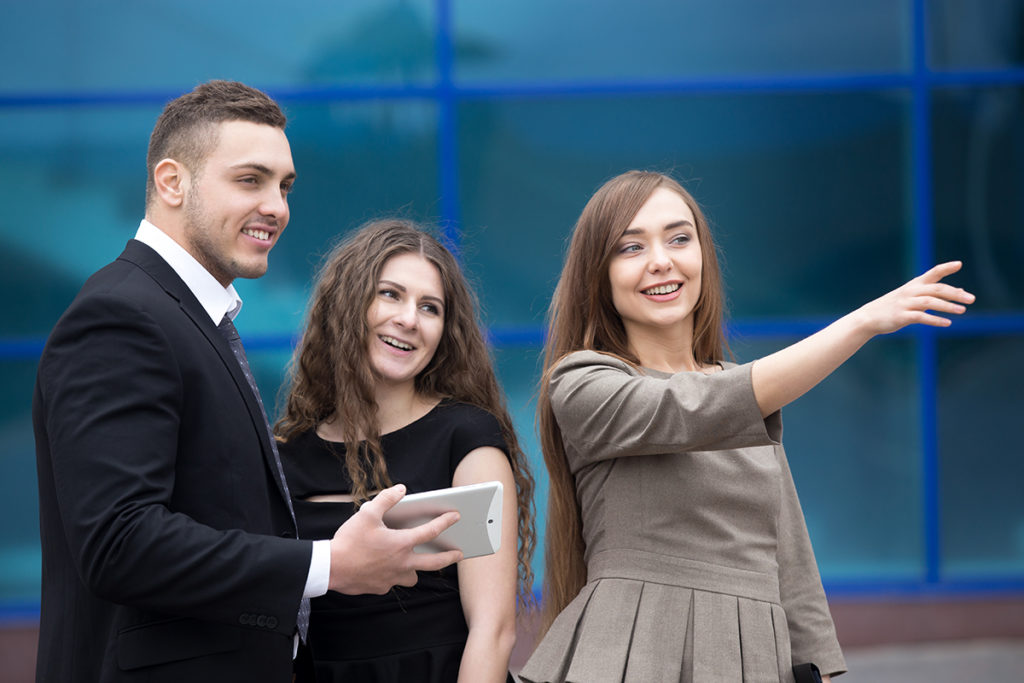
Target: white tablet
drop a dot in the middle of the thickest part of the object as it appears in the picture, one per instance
(478, 531)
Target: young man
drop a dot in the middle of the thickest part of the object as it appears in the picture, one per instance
(169, 549)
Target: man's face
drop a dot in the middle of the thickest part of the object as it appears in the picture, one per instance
(236, 203)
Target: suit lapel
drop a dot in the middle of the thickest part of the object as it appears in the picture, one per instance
(149, 261)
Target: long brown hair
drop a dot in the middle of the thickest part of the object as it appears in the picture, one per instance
(330, 373)
(582, 316)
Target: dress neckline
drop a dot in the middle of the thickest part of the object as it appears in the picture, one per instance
(421, 418)
(664, 374)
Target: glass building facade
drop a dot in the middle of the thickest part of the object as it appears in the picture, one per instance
(838, 149)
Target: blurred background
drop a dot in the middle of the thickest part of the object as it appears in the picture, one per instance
(838, 148)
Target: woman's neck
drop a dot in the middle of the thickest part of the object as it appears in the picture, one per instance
(399, 405)
(663, 349)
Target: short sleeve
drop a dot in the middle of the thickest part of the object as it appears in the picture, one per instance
(473, 428)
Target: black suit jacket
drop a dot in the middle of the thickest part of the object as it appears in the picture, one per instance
(168, 548)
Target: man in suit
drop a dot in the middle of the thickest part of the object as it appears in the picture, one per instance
(169, 549)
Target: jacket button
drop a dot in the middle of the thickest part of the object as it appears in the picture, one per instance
(261, 620)
(243, 619)
(271, 622)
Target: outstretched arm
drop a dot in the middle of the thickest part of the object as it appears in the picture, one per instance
(788, 374)
(368, 557)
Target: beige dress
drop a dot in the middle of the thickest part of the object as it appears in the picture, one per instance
(699, 565)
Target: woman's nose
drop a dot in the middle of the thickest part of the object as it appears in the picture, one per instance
(407, 315)
(658, 260)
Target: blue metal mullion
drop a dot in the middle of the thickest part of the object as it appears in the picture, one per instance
(923, 235)
(931, 500)
(835, 82)
(448, 133)
(972, 325)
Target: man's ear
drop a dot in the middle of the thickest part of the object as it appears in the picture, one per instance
(171, 179)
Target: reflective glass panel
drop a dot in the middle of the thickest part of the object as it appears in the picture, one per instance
(19, 538)
(79, 176)
(978, 171)
(518, 369)
(980, 402)
(75, 182)
(807, 194)
(594, 40)
(81, 48)
(966, 34)
(854, 450)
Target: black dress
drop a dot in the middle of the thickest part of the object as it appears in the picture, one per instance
(409, 634)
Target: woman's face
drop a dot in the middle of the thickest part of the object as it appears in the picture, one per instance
(406, 318)
(655, 269)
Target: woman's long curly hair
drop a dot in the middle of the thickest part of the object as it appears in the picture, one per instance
(583, 317)
(330, 376)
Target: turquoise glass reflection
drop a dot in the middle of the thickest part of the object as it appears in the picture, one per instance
(83, 47)
(980, 403)
(966, 34)
(797, 188)
(979, 207)
(518, 369)
(20, 562)
(600, 40)
(853, 447)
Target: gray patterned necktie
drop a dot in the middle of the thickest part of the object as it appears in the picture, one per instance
(227, 329)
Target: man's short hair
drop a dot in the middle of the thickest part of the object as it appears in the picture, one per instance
(187, 129)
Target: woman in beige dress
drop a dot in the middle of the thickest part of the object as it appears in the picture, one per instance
(676, 549)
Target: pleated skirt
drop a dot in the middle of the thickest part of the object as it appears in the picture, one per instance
(637, 631)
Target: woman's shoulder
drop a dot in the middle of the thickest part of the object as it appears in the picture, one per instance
(460, 428)
(587, 359)
(582, 361)
(459, 413)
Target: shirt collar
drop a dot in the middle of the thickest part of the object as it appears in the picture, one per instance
(215, 299)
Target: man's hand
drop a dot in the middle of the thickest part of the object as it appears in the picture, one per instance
(368, 557)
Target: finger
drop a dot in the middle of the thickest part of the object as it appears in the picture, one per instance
(936, 273)
(931, 303)
(947, 293)
(409, 578)
(384, 501)
(429, 530)
(923, 318)
(431, 562)
(941, 290)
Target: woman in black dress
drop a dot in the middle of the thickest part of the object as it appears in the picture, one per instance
(392, 383)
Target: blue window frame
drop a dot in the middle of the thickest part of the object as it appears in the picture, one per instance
(459, 90)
